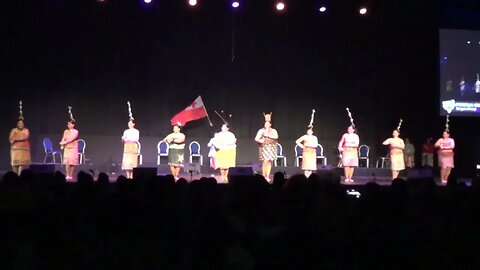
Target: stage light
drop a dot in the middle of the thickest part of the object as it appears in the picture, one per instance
(147, 1)
(468, 42)
(235, 4)
(280, 6)
(363, 11)
(192, 2)
(322, 9)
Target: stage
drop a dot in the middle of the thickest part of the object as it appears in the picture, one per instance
(191, 172)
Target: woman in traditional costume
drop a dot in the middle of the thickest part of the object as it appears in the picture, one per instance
(69, 144)
(130, 145)
(267, 145)
(309, 144)
(397, 162)
(225, 156)
(445, 146)
(176, 141)
(19, 144)
(348, 148)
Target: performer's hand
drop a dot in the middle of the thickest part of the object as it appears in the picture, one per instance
(340, 149)
(261, 140)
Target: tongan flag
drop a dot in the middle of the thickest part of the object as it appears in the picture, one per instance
(195, 111)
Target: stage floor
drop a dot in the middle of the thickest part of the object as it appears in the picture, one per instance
(361, 176)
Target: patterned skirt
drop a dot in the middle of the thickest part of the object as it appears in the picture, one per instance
(225, 158)
(70, 156)
(309, 159)
(20, 156)
(350, 157)
(130, 156)
(445, 158)
(175, 157)
(396, 160)
(267, 151)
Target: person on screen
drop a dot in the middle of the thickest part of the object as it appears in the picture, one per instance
(477, 85)
(428, 149)
(462, 86)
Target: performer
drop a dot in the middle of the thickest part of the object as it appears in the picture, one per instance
(309, 144)
(477, 85)
(130, 146)
(348, 148)
(69, 143)
(211, 152)
(19, 144)
(462, 86)
(267, 139)
(226, 151)
(428, 149)
(176, 141)
(396, 152)
(445, 152)
(409, 154)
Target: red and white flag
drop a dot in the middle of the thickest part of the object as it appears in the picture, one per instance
(195, 111)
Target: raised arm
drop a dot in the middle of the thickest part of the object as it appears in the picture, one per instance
(387, 141)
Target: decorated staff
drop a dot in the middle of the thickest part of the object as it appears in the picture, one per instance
(131, 145)
(224, 143)
(69, 143)
(348, 148)
(309, 144)
(19, 144)
(445, 146)
(397, 161)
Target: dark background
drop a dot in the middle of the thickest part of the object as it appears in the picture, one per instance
(95, 57)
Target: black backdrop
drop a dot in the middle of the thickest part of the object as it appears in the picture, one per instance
(95, 57)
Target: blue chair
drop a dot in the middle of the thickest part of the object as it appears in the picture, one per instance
(320, 154)
(162, 151)
(298, 155)
(363, 152)
(48, 147)
(194, 148)
(81, 150)
(280, 156)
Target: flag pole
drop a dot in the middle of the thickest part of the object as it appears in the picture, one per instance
(205, 108)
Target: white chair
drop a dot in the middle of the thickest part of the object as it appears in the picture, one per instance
(81, 150)
(320, 155)
(139, 153)
(162, 151)
(280, 156)
(298, 155)
(194, 148)
(363, 152)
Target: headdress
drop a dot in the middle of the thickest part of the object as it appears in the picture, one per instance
(222, 116)
(310, 125)
(399, 125)
(130, 114)
(268, 117)
(350, 116)
(20, 112)
(447, 121)
(70, 113)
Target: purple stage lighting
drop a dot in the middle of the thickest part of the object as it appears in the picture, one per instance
(147, 1)
(235, 4)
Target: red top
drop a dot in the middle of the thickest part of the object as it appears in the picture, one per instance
(428, 148)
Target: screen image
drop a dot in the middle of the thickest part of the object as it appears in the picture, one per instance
(459, 72)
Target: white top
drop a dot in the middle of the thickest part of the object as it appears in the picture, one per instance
(131, 135)
(349, 140)
(224, 140)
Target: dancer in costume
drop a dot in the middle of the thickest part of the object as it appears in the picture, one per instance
(348, 148)
(396, 152)
(176, 141)
(445, 146)
(130, 145)
(19, 144)
(409, 154)
(267, 149)
(225, 144)
(309, 144)
(211, 152)
(69, 143)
